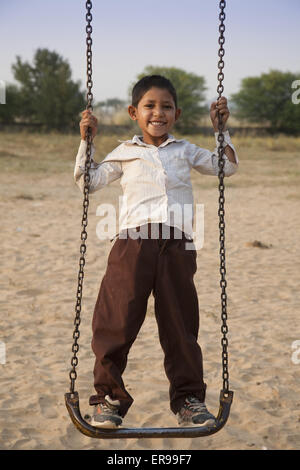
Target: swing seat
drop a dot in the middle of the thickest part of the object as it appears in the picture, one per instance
(72, 404)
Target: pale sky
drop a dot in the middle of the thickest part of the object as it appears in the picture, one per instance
(130, 34)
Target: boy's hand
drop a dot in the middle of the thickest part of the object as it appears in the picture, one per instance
(88, 120)
(221, 106)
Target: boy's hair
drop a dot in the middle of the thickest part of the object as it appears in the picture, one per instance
(149, 81)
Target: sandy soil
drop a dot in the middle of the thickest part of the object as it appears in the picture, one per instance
(41, 216)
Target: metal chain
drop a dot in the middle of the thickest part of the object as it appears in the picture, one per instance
(221, 211)
(84, 223)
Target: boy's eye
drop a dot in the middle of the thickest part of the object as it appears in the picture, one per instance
(151, 106)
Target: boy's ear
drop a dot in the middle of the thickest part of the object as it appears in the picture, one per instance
(132, 112)
(177, 113)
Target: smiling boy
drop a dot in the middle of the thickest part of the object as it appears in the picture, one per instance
(154, 171)
(156, 112)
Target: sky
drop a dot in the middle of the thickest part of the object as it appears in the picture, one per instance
(128, 35)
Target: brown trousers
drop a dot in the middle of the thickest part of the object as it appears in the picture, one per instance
(137, 267)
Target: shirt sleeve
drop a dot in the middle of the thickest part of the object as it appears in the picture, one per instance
(206, 162)
(101, 174)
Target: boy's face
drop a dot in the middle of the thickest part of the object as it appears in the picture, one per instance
(155, 114)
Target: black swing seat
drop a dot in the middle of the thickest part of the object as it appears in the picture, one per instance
(72, 404)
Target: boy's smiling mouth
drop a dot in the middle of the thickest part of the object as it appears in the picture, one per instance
(157, 123)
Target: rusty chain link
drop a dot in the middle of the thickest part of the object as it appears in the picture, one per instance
(221, 211)
(84, 223)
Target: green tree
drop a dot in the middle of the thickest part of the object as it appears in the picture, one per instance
(190, 89)
(48, 95)
(267, 100)
(111, 105)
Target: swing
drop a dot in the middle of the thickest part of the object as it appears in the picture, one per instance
(226, 396)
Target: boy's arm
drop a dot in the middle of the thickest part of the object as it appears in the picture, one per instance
(206, 162)
(229, 151)
(101, 174)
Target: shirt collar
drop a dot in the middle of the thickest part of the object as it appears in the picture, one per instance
(137, 139)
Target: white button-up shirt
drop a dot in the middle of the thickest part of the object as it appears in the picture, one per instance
(156, 181)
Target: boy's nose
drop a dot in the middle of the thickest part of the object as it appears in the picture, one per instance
(158, 112)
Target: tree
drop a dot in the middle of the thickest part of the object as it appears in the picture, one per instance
(190, 89)
(267, 100)
(112, 111)
(111, 106)
(47, 93)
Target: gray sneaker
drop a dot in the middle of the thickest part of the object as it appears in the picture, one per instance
(106, 415)
(193, 412)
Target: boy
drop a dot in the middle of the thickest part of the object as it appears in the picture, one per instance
(150, 255)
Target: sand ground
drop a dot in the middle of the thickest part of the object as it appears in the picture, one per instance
(41, 216)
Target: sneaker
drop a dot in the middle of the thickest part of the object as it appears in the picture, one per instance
(106, 415)
(193, 412)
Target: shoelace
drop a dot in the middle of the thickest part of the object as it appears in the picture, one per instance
(195, 405)
(108, 408)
